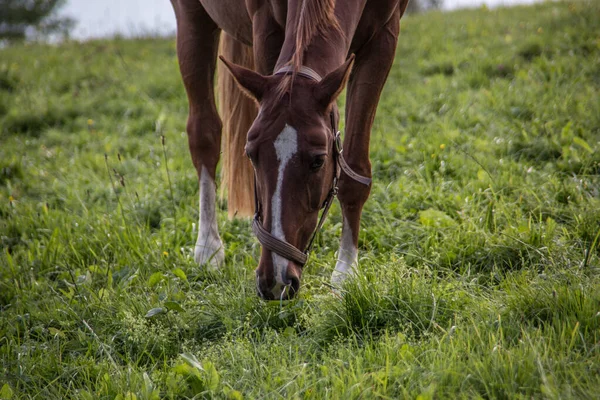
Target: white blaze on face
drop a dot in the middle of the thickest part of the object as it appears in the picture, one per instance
(209, 247)
(286, 145)
(347, 257)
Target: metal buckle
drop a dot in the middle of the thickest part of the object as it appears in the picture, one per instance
(338, 143)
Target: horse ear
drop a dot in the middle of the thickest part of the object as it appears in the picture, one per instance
(332, 85)
(252, 83)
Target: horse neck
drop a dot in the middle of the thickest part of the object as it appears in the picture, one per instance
(324, 52)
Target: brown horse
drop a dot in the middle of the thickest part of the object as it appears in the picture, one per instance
(291, 58)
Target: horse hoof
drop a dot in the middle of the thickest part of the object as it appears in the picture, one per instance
(338, 278)
(210, 256)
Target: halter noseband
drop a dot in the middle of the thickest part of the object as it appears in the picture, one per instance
(281, 247)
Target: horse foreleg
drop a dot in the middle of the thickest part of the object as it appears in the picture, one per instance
(373, 63)
(268, 38)
(197, 44)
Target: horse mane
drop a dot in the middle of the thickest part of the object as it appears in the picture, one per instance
(315, 17)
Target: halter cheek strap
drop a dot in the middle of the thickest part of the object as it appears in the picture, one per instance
(281, 247)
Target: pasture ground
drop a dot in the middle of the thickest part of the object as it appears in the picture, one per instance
(479, 245)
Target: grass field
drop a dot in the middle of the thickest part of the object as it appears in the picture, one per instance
(479, 249)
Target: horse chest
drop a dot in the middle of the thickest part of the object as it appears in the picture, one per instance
(232, 17)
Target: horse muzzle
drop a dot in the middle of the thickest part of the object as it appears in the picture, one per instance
(283, 288)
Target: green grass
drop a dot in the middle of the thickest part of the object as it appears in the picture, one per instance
(479, 246)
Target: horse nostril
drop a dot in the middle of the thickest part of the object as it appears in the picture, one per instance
(262, 292)
(294, 283)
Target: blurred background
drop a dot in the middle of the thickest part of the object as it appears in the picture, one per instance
(87, 19)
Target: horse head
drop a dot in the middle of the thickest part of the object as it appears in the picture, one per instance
(294, 147)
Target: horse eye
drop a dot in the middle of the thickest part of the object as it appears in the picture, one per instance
(251, 158)
(317, 163)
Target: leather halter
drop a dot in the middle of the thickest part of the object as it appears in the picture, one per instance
(281, 247)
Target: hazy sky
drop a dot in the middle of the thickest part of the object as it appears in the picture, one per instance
(107, 17)
(98, 18)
